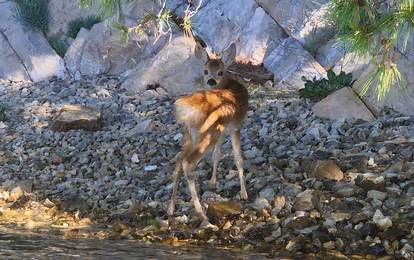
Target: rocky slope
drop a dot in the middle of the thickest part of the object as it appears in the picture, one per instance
(314, 184)
(290, 38)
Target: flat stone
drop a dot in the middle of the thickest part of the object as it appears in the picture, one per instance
(73, 117)
(370, 181)
(377, 195)
(323, 169)
(343, 104)
(306, 201)
(220, 212)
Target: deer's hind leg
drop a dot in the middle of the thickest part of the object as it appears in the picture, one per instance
(238, 159)
(216, 159)
(187, 143)
(190, 161)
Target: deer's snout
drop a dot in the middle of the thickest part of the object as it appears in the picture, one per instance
(211, 82)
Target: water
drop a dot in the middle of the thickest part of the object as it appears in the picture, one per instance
(35, 246)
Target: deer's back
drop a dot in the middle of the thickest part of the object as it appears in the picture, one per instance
(228, 104)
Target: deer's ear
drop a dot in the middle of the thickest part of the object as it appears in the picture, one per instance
(200, 52)
(229, 54)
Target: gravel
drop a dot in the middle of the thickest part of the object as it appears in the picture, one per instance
(130, 161)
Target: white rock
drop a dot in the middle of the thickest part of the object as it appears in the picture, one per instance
(150, 168)
(381, 221)
(261, 203)
(135, 158)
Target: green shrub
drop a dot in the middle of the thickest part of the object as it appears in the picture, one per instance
(317, 89)
(74, 26)
(57, 44)
(2, 112)
(33, 14)
(379, 30)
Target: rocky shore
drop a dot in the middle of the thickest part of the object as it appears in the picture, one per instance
(314, 185)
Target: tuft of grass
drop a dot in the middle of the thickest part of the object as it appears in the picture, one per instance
(58, 45)
(33, 14)
(2, 112)
(317, 89)
(74, 26)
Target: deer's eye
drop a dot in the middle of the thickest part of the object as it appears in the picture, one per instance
(220, 73)
(205, 72)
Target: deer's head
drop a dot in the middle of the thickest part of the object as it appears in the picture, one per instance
(215, 66)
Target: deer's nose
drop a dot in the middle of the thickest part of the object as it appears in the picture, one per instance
(211, 82)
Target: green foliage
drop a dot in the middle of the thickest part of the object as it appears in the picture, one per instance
(74, 26)
(149, 220)
(106, 7)
(160, 23)
(2, 112)
(58, 45)
(33, 13)
(377, 29)
(320, 88)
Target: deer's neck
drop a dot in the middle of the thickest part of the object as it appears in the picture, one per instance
(228, 83)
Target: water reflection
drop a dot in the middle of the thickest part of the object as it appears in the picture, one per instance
(33, 246)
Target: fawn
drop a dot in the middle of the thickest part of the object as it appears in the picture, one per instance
(206, 116)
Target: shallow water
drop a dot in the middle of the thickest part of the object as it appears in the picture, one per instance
(33, 246)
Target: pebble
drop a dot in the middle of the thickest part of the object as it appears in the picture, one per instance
(150, 168)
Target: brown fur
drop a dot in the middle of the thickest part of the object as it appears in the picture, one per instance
(206, 117)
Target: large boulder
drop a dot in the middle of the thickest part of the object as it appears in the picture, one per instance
(400, 99)
(101, 50)
(259, 37)
(343, 104)
(11, 67)
(333, 55)
(63, 12)
(290, 61)
(174, 69)
(303, 20)
(31, 47)
(219, 23)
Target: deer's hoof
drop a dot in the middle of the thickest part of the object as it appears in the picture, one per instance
(243, 196)
(213, 187)
(170, 211)
(207, 225)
